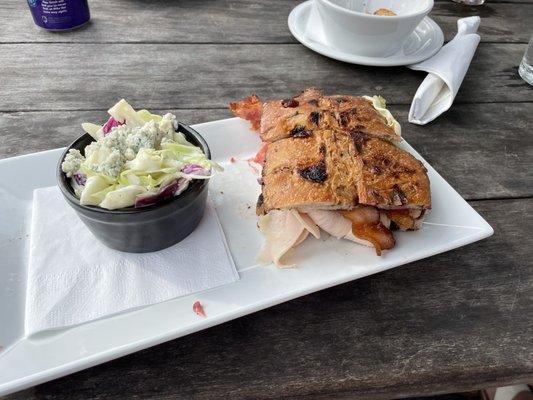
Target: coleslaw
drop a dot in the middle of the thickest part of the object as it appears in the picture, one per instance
(137, 159)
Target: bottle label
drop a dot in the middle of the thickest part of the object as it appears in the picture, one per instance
(59, 14)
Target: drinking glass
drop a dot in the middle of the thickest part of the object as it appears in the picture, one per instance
(526, 66)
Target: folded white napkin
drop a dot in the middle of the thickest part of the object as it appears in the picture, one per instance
(73, 278)
(447, 70)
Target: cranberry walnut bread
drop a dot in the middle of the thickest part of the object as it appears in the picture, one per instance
(331, 162)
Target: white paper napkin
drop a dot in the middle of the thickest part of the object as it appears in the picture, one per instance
(447, 70)
(73, 278)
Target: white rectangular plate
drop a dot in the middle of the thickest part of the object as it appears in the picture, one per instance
(321, 263)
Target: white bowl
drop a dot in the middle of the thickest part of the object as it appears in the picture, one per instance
(351, 26)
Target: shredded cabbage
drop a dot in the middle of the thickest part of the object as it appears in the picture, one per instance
(146, 116)
(124, 112)
(110, 124)
(94, 190)
(122, 197)
(94, 130)
(137, 158)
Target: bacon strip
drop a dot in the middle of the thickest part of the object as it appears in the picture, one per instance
(376, 233)
(367, 226)
(402, 218)
(250, 108)
(260, 157)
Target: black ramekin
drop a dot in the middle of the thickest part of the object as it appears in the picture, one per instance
(146, 229)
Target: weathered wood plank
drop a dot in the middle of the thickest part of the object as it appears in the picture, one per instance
(483, 150)
(225, 21)
(73, 76)
(455, 321)
(499, 22)
(30, 132)
(470, 395)
(230, 21)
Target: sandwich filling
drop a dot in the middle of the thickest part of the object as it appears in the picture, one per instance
(332, 162)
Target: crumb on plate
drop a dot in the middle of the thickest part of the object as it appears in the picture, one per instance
(198, 309)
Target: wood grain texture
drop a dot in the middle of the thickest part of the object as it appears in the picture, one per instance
(483, 150)
(505, 22)
(209, 76)
(471, 395)
(44, 130)
(456, 321)
(231, 21)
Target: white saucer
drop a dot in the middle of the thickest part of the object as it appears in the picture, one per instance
(424, 42)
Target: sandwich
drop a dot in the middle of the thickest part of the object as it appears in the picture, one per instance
(332, 164)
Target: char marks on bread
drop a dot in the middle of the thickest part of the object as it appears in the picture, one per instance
(311, 110)
(315, 171)
(335, 171)
(391, 178)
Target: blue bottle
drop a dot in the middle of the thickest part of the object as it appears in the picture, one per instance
(58, 15)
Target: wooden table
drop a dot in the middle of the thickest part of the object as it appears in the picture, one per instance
(456, 321)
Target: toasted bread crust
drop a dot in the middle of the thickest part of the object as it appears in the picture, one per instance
(333, 170)
(286, 189)
(311, 111)
(293, 153)
(319, 170)
(391, 177)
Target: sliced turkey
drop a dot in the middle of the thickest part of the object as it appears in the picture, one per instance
(362, 225)
(283, 230)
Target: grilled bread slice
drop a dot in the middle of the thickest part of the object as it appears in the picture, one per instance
(332, 170)
(357, 114)
(317, 171)
(311, 110)
(391, 178)
(290, 117)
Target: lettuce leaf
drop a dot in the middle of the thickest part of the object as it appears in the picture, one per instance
(380, 105)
